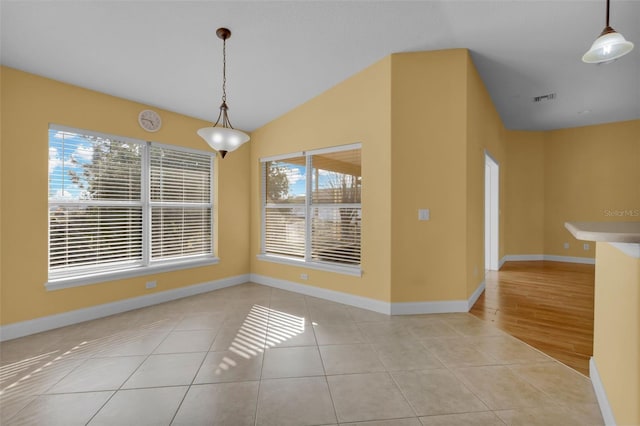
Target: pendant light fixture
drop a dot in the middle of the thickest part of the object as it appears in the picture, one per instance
(223, 138)
(608, 47)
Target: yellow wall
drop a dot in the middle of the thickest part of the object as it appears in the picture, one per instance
(616, 334)
(584, 174)
(485, 133)
(524, 192)
(428, 156)
(425, 120)
(356, 110)
(29, 103)
(588, 172)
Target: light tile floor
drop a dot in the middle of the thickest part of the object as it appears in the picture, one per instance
(253, 355)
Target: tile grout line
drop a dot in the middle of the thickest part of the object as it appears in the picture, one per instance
(502, 361)
(264, 355)
(451, 370)
(130, 375)
(326, 379)
(80, 364)
(206, 354)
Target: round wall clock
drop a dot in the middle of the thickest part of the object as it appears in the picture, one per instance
(149, 120)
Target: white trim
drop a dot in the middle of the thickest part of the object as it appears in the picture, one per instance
(323, 293)
(282, 156)
(406, 308)
(308, 228)
(502, 261)
(93, 278)
(263, 206)
(601, 394)
(570, 259)
(523, 257)
(549, 257)
(337, 148)
(145, 194)
(475, 295)
(37, 325)
(301, 263)
(76, 131)
(185, 149)
(439, 307)
(491, 212)
(630, 249)
(74, 276)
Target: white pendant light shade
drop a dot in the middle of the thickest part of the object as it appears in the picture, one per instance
(608, 47)
(223, 139)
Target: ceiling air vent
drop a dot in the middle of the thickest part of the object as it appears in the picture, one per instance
(545, 98)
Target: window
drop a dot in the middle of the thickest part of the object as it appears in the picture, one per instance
(121, 205)
(312, 210)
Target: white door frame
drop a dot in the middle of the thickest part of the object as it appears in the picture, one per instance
(491, 212)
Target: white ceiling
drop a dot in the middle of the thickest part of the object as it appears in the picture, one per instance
(283, 53)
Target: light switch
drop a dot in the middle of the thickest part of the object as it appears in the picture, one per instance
(423, 214)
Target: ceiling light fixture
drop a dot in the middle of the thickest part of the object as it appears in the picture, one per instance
(608, 47)
(224, 138)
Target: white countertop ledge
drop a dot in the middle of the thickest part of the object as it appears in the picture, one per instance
(611, 232)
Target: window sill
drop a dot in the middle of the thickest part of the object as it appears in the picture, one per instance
(346, 270)
(94, 278)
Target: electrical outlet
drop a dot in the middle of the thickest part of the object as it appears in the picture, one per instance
(586, 246)
(304, 276)
(566, 246)
(150, 284)
(424, 214)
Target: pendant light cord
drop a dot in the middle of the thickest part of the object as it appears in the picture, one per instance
(223, 107)
(607, 13)
(224, 67)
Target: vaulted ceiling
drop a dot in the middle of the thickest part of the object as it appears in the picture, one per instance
(283, 53)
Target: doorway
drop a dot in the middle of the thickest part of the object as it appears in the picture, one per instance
(491, 213)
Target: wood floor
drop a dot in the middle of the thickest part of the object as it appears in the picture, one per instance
(548, 305)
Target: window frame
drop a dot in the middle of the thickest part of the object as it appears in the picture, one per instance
(306, 261)
(81, 276)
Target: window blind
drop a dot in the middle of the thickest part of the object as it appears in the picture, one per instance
(181, 222)
(312, 206)
(95, 205)
(336, 207)
(285, 207)
(117, 203)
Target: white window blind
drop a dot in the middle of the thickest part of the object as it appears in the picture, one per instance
(117, 203)
(285, 207)
(336, 212)
(181, 203)
(312, 207)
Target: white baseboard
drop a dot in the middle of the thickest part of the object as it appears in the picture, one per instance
(37, 325)
(474, 297)
(504, 259)
(601, 394)
(550, 257)
(439, 307)
(523, 257)
(570, 259)
(402, 308)
(323, 293)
